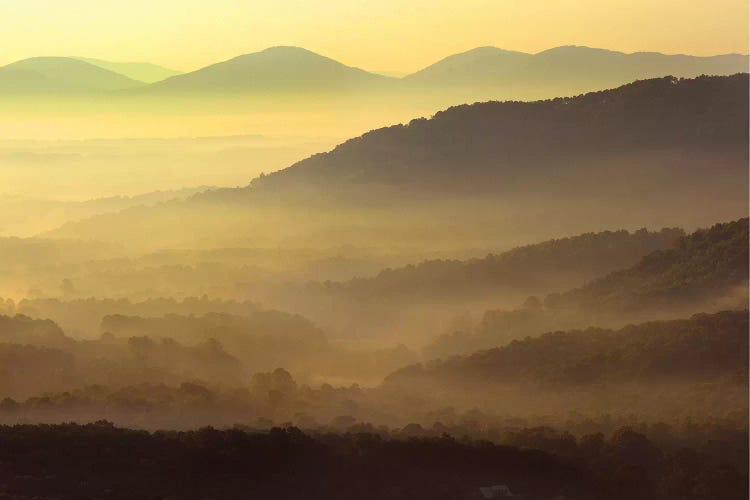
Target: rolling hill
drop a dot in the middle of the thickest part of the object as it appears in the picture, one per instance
(492, 168)
(504, 145)
(60, 75)
(566, 69)
(706, 271)
(702, 348)
(271, 71)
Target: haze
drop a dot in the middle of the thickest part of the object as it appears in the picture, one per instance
(374, 250)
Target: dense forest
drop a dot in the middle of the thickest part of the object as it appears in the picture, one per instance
(104, 462)
(708, 264)
(506, 143)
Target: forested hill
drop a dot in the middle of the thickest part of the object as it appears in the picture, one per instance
(708, 264)
(603, 159)
(550, 265)
(704, 347)
(509, 140)
(706, 271)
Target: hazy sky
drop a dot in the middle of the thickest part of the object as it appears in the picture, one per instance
(380, 35)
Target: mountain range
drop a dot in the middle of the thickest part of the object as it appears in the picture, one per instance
(493, 67)
(562, 71)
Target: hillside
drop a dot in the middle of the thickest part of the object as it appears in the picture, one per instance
(139, 71)
(550, 265)
(566, 69)
(708, 264)
(487, 171)
(273, 71)
(700, 349)
(705, 271)
(499, 145)
(57, 75)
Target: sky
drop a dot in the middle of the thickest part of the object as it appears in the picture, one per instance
(399, 36)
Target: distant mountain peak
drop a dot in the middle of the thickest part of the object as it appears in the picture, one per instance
(275, 69)
(52, 74)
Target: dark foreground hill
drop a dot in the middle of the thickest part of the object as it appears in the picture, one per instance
(101, 461)
(276, 70)
(708, 264)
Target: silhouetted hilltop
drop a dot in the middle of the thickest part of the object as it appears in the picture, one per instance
(567, 68)
(59, 75)
(705, 271)
(274, 70)
(139, 71)
(499, 145)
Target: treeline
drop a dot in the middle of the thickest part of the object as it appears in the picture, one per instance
(708, 264)
(84, 316)
(103, 461)
(550, 265)
(214, 348)
(262, 339)
(657, 367)
(36, 357)
(502, 144)
(705, 271)
(702, 348)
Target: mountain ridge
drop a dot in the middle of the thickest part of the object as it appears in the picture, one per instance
(59, 75)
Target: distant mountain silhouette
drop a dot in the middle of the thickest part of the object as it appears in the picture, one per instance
(277, 69)
(60, 75)
(142, 72)
(478, 74)
(567, 68)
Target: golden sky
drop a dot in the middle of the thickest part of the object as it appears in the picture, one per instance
(379, 35)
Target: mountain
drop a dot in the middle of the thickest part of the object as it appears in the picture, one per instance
(567, 68)
(274, 70)
(506, 145)
(142, 72)
(60, 75)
